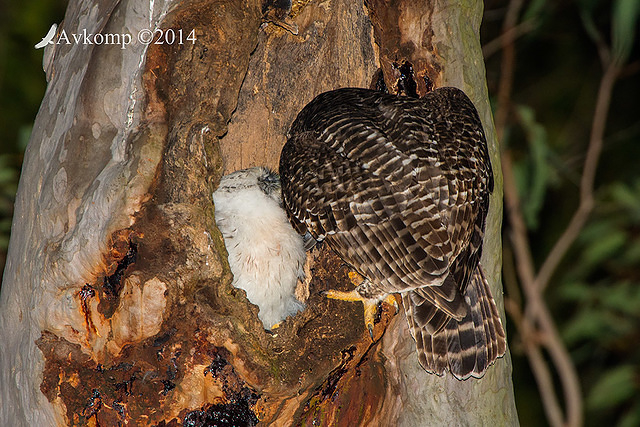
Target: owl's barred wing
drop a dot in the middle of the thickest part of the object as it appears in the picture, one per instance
(466, 347)
(400, 188)
(366, 171)
(361, 216)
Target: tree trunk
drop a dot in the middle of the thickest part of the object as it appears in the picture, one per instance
(117, 304)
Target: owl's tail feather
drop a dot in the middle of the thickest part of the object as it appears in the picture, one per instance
(464, 347)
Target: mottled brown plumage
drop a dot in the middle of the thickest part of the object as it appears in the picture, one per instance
(399, 188)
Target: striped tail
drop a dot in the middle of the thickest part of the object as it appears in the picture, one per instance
(466, 346)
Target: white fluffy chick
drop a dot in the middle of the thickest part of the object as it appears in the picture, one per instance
(266, 255)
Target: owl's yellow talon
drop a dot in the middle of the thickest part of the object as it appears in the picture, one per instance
(370, 309)
(370, 305)
(351, 296)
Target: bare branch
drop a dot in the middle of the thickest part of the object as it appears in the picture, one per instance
(545, 383)
(536, 311)
(511, 34)
(581, 215)
(507, 67)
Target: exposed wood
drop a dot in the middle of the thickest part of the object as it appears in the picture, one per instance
(333, 48)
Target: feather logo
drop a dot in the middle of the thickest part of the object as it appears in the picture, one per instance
(48, 39)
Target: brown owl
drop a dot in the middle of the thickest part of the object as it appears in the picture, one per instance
(399, 188)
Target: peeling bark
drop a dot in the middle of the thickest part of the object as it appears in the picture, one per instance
(117, 304)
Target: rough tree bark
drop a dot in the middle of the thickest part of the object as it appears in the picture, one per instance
(116, 304)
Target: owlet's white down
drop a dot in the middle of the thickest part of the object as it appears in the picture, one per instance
(266, 255)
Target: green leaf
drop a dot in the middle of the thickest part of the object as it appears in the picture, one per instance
(605, 247)
(7, 176)
(624, 20)
(587, 324)
(627, 197)
(621, 193)
(614, 386)
(598, 324)
(540, 174)
(631, 418)
(534, 9)
(624, 297)
(594, 230)
(632, 253)
(576, 291)
(586, 13)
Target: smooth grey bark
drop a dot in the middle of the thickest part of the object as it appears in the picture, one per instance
(82, 178)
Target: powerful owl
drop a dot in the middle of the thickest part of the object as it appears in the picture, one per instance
(399, 188)
(266, 255)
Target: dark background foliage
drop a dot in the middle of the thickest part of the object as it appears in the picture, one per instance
(594, 295)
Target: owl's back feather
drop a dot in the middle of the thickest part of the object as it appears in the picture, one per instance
(399, 187)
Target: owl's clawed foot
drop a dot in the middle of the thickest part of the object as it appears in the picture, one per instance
(363, 283)
(370, 305)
